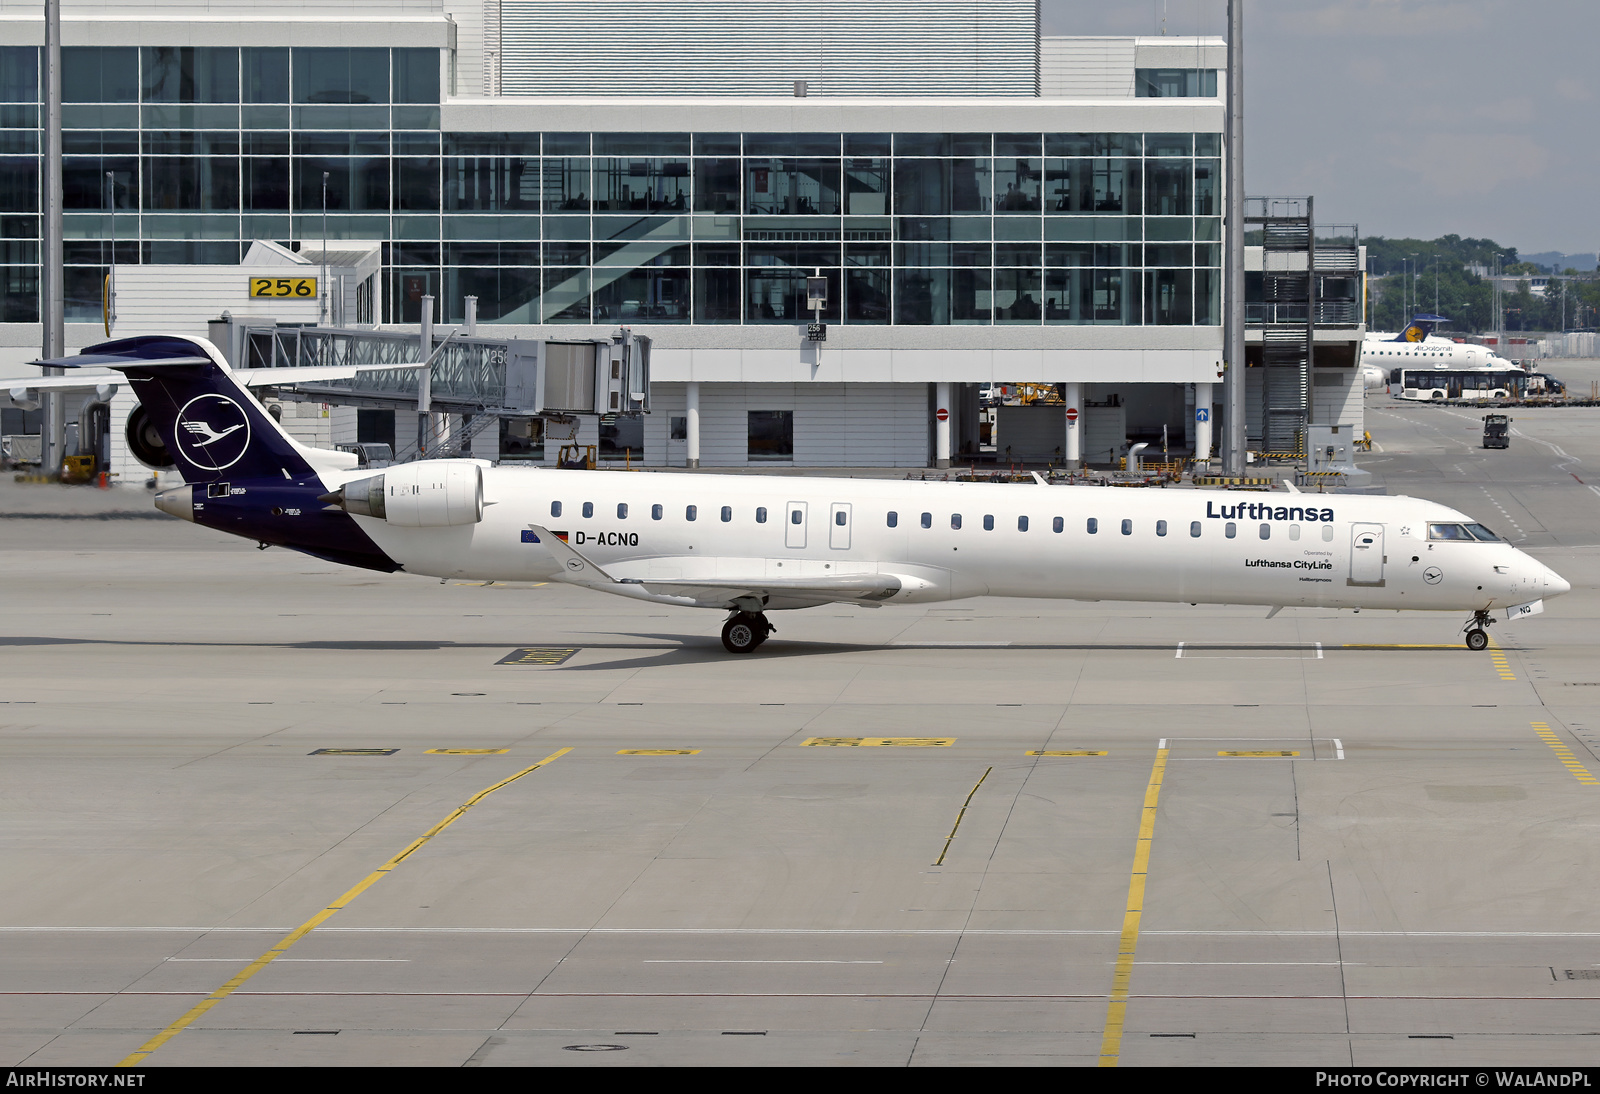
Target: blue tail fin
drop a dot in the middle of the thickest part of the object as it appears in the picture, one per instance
(211, 425)
(1419, 328)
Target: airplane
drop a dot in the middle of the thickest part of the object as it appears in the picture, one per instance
(1417, 346)
(749, 545)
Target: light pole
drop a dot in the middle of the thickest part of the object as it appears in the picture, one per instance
(1435, 284)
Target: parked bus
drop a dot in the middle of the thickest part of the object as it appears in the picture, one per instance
(1453, 383)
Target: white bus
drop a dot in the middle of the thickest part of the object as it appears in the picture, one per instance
(1454, 383)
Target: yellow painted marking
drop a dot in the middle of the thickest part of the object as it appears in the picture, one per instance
(467, 751)
(951, 837)
(872, 742)
(540, 655)
(1501, 665)
(321, 917)
(1564, 754)
(354, 751)
(1068, 752)
(1400, 646)
(1117, 1008)
(1259, 754)
(659, 752)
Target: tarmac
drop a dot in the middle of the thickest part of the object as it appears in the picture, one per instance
(983, 833)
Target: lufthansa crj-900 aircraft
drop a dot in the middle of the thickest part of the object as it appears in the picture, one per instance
(748, 545)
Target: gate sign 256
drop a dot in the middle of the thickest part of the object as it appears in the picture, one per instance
(283, 286)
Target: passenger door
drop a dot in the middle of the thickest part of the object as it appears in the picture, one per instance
(839, 526)
(794, 524)
(1366, 554)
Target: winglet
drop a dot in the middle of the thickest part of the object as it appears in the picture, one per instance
(575, 568)
(1038, 478)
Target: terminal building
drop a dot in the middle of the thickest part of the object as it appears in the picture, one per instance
(987, 207)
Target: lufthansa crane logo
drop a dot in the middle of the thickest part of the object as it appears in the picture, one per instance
(212, 432)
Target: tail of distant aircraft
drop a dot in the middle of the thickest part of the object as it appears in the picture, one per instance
(1419, 328)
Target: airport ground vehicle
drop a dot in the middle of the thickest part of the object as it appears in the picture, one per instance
(752, 544)
(1443, 383)
(1496, 431)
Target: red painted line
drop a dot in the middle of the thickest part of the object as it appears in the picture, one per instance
(1576, 477)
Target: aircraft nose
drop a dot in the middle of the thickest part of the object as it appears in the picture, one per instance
(1554, 583)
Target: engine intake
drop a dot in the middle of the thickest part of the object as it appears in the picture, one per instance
(429, 494)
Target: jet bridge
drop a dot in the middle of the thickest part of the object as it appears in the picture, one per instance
(482, 379)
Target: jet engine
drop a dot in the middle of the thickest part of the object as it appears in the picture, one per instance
(144, 441)
(428, 494)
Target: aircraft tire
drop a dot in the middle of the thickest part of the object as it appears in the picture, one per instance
(742, 634)
(1477, 639)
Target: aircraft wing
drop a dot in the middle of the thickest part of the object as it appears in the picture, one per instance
(576, 569)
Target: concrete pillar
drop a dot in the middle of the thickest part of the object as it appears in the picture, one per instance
(691, 408)
(1202, 421)
(941, 425)
(427, 434)
(1074, 445)
(470, 326)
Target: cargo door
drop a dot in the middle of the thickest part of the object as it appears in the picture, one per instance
(839, 526)
(794, 524)
(1366, 554)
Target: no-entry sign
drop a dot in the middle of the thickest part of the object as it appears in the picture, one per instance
(1072, 415)
(942, 414)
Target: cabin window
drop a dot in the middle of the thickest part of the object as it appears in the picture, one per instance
(555, 509)
(1448, 531)
(657, 512)
(894, 519)
(1480, 532)
(622, 510)
(690, 512)
(1127, 527)
(1327, 533)
(1022, 524)
(1094, 525)
(1194, 529)
(727, 513)
(795, 516)
(1266, 531)
(839, 518)
(1294, 531)
(588, 508)
(955, 521)
(761, 514)
(1058, 524)
(1230, 529)
(1161, 527)
(927, 520)
(988, 522)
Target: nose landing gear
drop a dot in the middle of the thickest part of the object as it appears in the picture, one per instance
(1477, 629)
(744, 631)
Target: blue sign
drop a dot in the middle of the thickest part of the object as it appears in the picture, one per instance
(1202, 414)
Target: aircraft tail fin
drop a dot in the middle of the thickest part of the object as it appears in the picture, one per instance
(195, 415)
(1420, 327)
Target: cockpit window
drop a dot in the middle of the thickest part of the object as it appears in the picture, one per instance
(1480, 532)
(1448, 531)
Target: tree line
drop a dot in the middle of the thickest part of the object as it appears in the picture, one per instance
(1437, 271)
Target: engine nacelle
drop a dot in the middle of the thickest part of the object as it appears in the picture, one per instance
(144, 441)
(427, 494)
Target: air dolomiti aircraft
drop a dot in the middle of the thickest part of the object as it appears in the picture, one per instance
(748, 545)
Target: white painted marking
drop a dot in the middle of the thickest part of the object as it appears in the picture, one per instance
(1179, 654)
(917, 645)
(1319, 651)
(1338, 749)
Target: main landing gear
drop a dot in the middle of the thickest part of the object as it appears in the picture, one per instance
(744, 631)
(1477, 629)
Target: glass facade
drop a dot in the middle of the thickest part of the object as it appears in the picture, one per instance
(197, 151)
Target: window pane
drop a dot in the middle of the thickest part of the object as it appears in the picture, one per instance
(955, 521)
(622, 510)
(188, 75)
(19, 74)
(690, 512)
(988, 522)
(716, 186)
(588, 508)
(716, 296)
(771, 435)
(1058, 524)
(1194, 529)
(727, 513)
(656, 512)
(341, 75)
(99, 74)
(894, 519)
(555, 509)
(761, 514)
(416, 75)
(1094, 526)
(927, 520)
(1266, 531)
(1127, 527)
(1230, 530)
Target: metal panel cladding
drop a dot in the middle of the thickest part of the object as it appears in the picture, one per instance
(724, 47)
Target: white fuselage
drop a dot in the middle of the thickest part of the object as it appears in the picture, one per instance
(1382, 351)
(1148, 544)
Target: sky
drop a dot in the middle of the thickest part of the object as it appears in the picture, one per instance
(1409, 117)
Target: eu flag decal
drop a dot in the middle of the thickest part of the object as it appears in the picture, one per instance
(528, 536)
